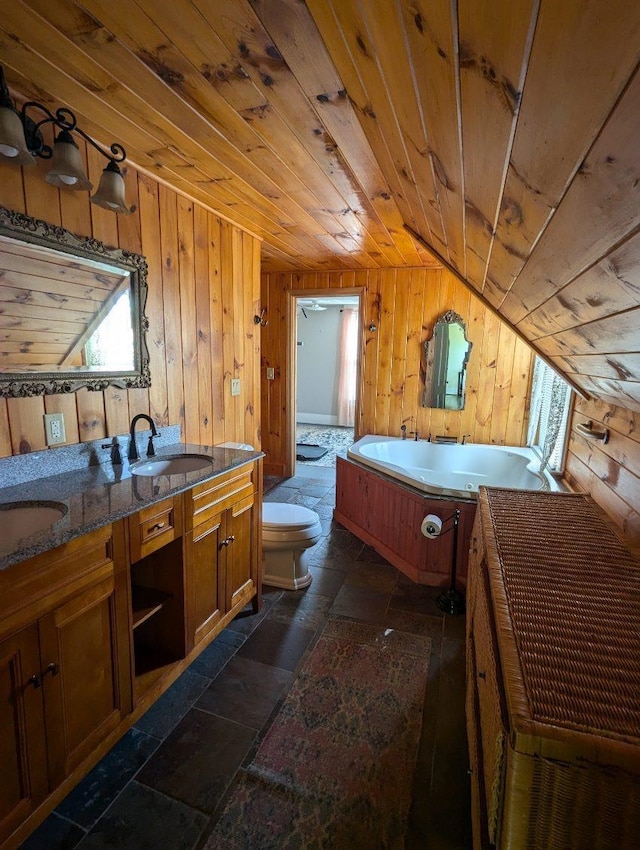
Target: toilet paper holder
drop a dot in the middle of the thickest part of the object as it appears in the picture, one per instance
(451, 601)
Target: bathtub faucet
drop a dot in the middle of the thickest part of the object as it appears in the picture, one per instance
(464, 439)
(444, 438)
(415, 436)
(403, 428)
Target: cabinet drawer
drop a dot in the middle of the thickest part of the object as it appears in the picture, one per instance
(211, 497)
(154, 527)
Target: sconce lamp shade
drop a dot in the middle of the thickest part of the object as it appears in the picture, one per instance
(110, 192)
(67, 171)
(12, 140)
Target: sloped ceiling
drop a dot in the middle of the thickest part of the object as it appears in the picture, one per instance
(501, 139)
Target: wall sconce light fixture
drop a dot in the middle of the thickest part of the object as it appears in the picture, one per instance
(260, 320)
(21, 141)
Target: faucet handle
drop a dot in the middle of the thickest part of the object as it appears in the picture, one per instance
(114, 445)
(151, 449)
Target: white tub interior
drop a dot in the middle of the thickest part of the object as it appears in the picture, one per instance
(451, 469)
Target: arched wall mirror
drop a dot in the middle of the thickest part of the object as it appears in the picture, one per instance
(446, 357)
(71, 311)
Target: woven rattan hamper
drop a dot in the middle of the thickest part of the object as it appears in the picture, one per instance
(553, 675)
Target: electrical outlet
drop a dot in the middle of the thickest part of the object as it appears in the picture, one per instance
(235, 386)
(54, 427)
(271, 373)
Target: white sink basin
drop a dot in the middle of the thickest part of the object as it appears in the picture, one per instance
(20, 520)
(171, 465)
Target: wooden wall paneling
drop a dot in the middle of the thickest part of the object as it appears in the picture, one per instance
(475, 334)
(413, 383)
(228, 345)
(251, 337)
(625, 365)
(171, 305)
(385, 343)
(411, 303)
(344, 29)
(430, 35)
(494, 53)
(401, 325)
(188, 322)
(565, 125)
(611, 472)
(215, 313)
(240, 295)
(204, 338)
(129, 238)
(502, 387)
(611, 286)
(596, 214)
(518, 417)
(486, 386)
(5, 429)
(148, 198)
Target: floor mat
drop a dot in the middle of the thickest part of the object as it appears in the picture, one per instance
(305, 451)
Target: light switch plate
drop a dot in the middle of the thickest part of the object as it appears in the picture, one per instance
(271, 373)
(235, 386)
(54, 427)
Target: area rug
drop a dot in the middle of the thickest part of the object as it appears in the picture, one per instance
(335, 767)
(306, 452)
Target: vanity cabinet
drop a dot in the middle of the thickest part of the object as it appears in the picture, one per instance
(553, 675)
(91, 633)
(63, 667)
(222, 548)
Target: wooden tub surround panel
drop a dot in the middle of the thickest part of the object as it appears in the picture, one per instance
(387, 516)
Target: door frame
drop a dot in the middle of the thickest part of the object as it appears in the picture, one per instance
(292, 364)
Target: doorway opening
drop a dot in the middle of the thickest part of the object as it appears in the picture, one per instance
(327, 348)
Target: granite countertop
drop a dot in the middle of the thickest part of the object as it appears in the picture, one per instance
(102, 493)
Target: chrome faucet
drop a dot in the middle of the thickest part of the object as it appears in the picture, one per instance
(133, 449)
(416, 436)
(464, 439)
(403, 428)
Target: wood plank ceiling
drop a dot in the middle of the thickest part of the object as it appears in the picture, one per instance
(504, 136)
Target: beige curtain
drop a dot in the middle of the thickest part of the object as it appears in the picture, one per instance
(348, 368)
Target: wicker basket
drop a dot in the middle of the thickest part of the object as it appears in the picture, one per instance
(554, 635)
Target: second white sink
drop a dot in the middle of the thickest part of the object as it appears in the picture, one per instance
(171, 465)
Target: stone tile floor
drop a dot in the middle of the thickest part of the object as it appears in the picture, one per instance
(163, 784)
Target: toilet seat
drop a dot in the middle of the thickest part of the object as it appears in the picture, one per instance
(280, 516)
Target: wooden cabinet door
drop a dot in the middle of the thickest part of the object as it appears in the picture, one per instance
(23, 776)
(79, 663)
(241, 564)
(204, 594)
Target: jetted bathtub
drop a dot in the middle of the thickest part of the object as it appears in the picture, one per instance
(451, 469)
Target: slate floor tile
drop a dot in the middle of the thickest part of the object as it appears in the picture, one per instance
(55, 833)
(95, 793)
(164, 714)
(247, 692)
(361, 603)
(211, 660)
(196, 763)
(326, 582)
(304, 609)
(376, 576)
(278, 644)
(143, 819)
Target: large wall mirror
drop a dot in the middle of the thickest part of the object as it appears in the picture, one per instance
(71, 311)
(446, 357)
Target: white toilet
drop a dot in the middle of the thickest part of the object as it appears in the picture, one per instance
(288, 532)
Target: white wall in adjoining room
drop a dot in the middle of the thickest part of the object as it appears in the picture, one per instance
(318, 366)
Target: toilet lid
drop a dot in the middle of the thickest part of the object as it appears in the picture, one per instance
(281, 515)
